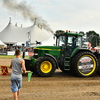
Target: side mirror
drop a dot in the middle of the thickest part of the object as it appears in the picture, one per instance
(63, 45)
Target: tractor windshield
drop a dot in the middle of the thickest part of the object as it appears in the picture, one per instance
(75, 39)
(72, 39)
(61, 41)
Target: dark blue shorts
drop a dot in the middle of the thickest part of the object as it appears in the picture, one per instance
(16, 84)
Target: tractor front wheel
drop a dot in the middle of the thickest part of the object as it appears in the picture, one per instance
(45, 66)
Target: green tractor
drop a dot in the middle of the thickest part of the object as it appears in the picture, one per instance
(68, 55)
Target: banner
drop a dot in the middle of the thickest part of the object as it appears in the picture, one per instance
(13, 53)
(3, 52)
(10, 52)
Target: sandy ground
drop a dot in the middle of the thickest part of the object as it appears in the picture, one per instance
(58, 87)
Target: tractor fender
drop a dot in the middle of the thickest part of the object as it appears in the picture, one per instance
(79, 50)
(46, 54)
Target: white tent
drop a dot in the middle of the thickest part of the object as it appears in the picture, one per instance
(37, 34)
(49, 41)
(2, 44)
(13, 34)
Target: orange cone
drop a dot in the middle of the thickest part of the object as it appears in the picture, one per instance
(4, 70)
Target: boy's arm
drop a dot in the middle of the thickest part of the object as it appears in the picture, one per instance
(23, 65)
(11, 64)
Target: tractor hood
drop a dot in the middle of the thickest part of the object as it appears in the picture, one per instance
(54, 51)
(55, 48)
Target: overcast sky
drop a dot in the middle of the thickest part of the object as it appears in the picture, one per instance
(74, 15)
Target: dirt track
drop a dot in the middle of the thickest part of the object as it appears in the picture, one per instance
(58, 87)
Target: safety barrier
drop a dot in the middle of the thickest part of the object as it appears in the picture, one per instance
(13, 53)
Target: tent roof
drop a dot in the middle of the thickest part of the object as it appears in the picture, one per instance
(37, 34)
(13, 34)
(49, 41)
(1, 43)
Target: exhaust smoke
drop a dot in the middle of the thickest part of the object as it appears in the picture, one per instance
(26, 11)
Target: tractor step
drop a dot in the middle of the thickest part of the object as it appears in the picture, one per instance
(67, 63)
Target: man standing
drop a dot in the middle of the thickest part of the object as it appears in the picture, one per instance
(89, 45)
(17, 65)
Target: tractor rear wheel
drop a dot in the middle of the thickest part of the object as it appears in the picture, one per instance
(45, 66)
(84, 64)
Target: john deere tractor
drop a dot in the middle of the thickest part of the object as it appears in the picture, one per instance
(68, 55)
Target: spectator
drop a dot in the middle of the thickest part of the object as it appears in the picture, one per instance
(17, 64)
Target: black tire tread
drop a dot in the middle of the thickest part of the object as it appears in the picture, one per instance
(38, 63)
(76, 58)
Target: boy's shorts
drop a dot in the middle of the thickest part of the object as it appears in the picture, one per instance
(16, 84)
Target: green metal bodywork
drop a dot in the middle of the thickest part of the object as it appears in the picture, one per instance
(74, 51)
(32, 61)
(74, 34)
(52, 50)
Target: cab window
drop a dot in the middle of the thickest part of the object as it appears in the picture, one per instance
(61, 41)
(76, 39)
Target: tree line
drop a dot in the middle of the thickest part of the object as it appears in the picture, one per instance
(91, 37)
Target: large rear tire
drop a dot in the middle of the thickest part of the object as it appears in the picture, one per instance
(84, 64)
(45, 66)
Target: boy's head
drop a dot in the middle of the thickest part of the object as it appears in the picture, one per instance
(17, 52)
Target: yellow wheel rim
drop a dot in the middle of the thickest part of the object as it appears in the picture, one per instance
(93, 68)
(46, 67)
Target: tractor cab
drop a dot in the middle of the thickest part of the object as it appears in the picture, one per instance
(68, 41)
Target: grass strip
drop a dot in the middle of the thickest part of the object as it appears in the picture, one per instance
(9, 56)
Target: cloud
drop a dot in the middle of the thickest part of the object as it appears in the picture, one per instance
(69, 14)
